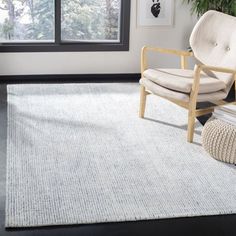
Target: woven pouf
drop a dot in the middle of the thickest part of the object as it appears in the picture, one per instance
(219, 140)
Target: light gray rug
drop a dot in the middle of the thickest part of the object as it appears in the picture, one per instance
(78, 153)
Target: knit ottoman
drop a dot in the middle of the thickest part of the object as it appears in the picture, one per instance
(219, 140)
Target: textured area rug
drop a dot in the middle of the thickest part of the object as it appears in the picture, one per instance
(78, 154)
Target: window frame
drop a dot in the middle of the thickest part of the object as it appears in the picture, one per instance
(59, 46)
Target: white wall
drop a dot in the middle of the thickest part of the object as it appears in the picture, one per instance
(106, 62)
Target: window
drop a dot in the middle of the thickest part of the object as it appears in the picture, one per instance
(26, 21)
(64, 25)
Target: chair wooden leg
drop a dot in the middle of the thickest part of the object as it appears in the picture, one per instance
(193, 104)
(191, 125)
(143, 96)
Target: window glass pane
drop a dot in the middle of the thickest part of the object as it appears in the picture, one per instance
(91, 20)
(26, 20)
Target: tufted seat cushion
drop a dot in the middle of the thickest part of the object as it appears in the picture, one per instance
(182, 80)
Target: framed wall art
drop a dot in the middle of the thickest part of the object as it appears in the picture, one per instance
(155, 12)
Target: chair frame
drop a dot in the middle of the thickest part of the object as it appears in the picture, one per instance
(191, 106)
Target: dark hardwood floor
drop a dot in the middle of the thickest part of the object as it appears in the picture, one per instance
(197, 226)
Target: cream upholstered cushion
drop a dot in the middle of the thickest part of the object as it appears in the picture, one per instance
(171, 94)
(182, 80)
(213, 42)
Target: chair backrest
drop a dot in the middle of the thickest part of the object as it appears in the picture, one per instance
(213, 42)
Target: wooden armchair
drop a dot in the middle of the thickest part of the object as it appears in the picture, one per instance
(213, 42)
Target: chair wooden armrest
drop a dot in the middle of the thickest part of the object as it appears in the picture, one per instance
(215, 69)
(196, 83)
(183, 55)
(218, 69)
(168, 51)
(201, 68)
